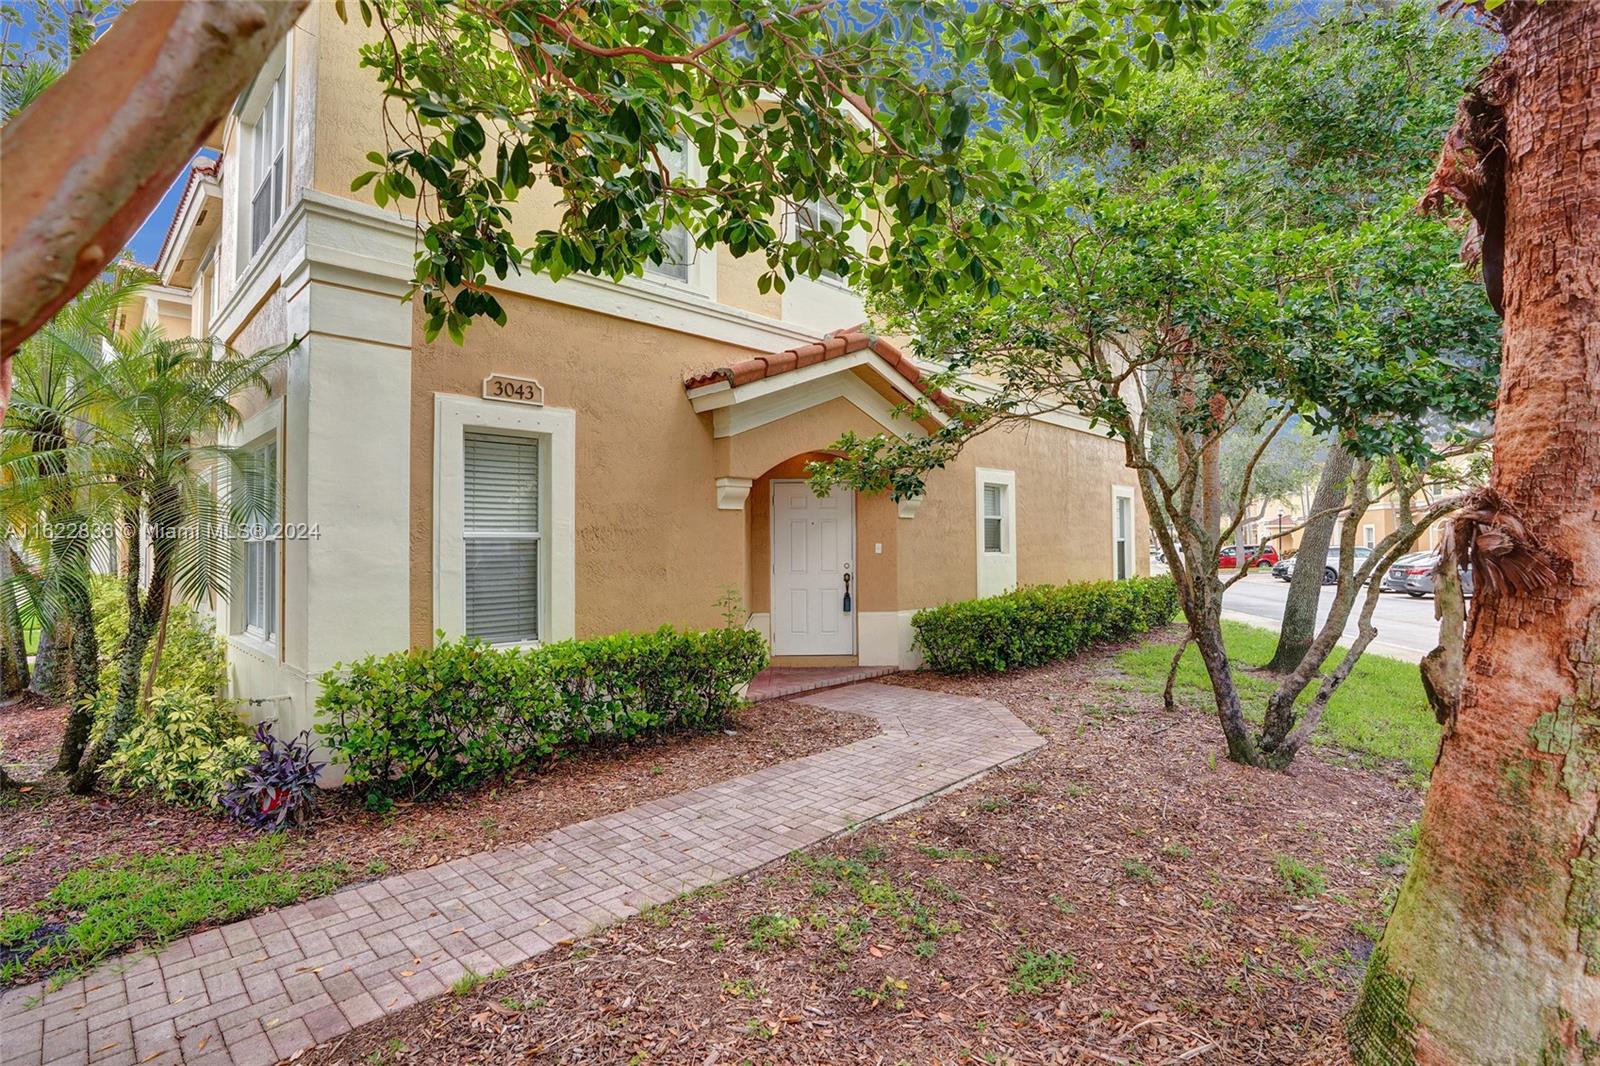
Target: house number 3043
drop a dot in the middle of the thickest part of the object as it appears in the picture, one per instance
(513, 389)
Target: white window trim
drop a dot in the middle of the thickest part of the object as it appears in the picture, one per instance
(557, 428)
(1369, 536)
(249, 110)
(997, 571)
(1124, 492)
(702, 279)
(260, 429)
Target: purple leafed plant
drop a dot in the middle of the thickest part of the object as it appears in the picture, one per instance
(280, 788)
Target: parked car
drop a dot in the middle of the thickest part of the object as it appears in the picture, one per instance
(1330, 566)
(1262, 555)
(1419, 577)
(1395, 579)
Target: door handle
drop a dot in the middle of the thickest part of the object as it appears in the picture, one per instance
(847, 593)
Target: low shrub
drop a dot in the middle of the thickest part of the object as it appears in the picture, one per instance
(183, 747)
(279, 788)
(1040, 623)
(440, 718)
(193, 659)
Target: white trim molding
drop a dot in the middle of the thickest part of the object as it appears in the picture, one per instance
(907, 508)
(997, 571)
(732, 492)
(557, 428)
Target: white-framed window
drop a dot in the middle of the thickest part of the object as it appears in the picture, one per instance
(261, 544)
(1122, 523)
(996, 506)
(504, 520)
(819, 216)
(685, 268)
(681, 250)
(501, 530)
(267, 132)
(1369, 535)
(994, 518)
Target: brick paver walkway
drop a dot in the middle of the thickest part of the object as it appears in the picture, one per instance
(260, 990)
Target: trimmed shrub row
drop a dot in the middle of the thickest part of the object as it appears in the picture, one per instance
(1040, 623)
(441, 718)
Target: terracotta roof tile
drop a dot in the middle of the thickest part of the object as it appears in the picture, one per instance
(834, 345)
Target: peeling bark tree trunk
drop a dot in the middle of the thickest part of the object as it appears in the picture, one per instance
(137, 105)
(1492, 954)
(1305, 587)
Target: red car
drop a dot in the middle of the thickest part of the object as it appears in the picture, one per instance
(1264, 555)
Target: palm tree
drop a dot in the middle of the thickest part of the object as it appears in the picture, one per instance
(45, 510)
(160, 407)
(143, 458)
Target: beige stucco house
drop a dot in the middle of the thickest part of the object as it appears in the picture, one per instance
(618, 456)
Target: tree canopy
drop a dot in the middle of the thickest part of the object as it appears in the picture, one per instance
(896, 114)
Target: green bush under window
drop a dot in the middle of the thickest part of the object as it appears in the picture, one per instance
(435, 719)
(1040, 623)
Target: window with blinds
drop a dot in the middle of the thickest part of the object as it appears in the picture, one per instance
(261, 545)
(1122, 534)
(501, 532)
(994, 533)
(680, 250)
(269, 137)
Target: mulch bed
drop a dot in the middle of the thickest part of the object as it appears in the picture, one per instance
(45, 832)
(1129, 843)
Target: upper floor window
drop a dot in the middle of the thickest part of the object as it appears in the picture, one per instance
(819, 217)
(680, 249)
(268, 138)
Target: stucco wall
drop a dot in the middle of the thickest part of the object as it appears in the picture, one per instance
(1063, 506)
(652, 545)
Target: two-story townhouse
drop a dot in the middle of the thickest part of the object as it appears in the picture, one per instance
(617, 456)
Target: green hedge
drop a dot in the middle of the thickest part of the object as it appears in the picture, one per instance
(1040, 624)
(441, 718)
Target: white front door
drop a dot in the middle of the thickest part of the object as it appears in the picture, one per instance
(813, 563)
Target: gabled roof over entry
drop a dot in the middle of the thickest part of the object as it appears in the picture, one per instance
(836, 345)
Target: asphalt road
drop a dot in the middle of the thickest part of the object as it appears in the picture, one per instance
(1406, 626)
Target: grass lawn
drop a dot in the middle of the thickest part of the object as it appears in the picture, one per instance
(123, 901)
(1380, 709)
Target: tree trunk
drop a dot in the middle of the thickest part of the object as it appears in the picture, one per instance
(13, 638)
(1206, 628)
(142, 620)
(85, 657)
(50, 665)
(140, 101)
(155, 652)
(1492, 954)
(1305, 587)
